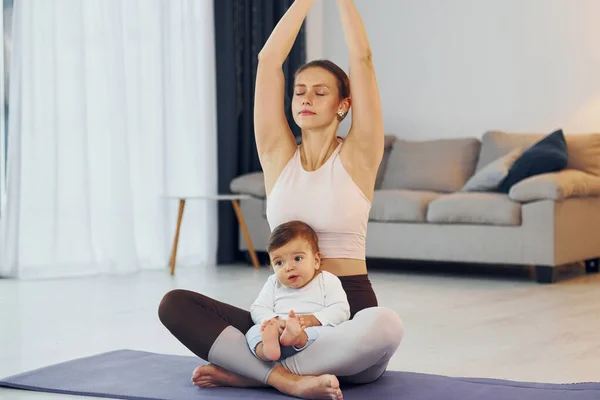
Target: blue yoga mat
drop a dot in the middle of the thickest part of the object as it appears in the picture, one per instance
(129, 374)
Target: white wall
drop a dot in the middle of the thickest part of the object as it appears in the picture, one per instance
(314, 31)
(451, 68)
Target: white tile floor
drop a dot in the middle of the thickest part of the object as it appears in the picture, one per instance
(460, 324)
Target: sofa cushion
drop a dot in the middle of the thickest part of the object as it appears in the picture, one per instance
(252, 184)
(547, 155)
(400, 205)
(387, 148)
(496, 144)
(584, 152)
(556, 186)
(442, 165)
(490, 177)
(583, 148)
(474, 208)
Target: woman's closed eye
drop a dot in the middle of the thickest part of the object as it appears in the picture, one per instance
(303, 93)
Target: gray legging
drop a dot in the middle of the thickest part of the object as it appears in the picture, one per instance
(356, 351)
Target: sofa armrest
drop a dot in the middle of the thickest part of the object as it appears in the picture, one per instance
(556, 186)
(252, 184)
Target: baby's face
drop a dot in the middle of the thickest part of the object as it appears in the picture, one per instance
(295, 263)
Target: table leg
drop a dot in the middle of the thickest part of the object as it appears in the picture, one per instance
(242, 222)
(176, 240)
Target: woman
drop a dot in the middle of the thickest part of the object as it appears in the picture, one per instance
(329, 184)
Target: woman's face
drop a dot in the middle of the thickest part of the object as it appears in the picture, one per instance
(316, 100)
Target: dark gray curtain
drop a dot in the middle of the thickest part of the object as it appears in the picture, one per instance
(241, 29)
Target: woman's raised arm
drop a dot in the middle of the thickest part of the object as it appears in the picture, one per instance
(367, 121)
(274, 139)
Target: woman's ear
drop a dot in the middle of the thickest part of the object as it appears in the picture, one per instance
(345, 105)
(343, 108)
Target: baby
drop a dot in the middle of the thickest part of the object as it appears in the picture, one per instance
(298, 299)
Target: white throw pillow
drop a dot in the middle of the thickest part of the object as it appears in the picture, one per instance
(490, 176)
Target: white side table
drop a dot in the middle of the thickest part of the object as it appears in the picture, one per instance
(234, 198)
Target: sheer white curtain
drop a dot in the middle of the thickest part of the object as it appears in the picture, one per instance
(6, 28)
(112, 106)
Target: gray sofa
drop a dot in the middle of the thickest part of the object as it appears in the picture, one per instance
(436, 200)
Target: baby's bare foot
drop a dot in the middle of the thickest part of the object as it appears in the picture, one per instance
(210, 375)
(270, 341)
(293, 334)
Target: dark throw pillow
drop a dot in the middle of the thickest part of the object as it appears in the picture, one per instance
(547, 155)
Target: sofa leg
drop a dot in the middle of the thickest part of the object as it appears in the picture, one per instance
(591, 265)
(545, 274)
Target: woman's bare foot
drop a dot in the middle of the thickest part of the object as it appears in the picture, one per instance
(211, 375)
(305, 387)
(293, 334)
(269, 333)
(318, 387)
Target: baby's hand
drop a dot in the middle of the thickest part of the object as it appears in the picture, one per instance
(281, 325)
(301, 320)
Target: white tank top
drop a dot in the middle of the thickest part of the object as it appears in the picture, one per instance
(326, 199)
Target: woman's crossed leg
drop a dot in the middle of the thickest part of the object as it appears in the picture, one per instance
(356, 351)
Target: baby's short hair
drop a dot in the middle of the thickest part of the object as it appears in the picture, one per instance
(288, 231)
